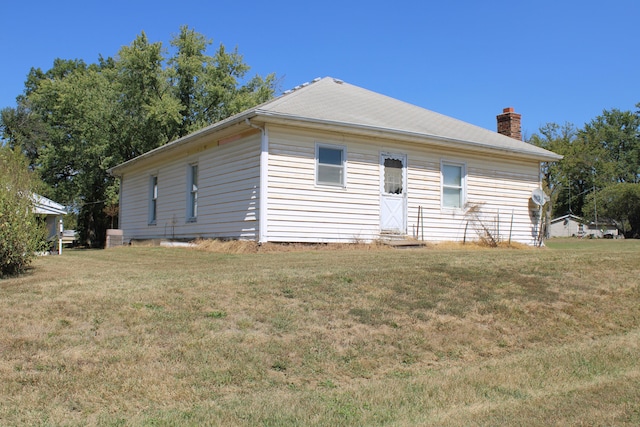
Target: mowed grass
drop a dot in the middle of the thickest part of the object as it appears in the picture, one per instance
(365, 337)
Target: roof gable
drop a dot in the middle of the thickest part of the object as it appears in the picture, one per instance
(568, 217)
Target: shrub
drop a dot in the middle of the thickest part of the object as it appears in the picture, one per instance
(21, 234)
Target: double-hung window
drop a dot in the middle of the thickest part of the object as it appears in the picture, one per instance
(153, 199)
(192, 194)
(453, 185)
(331, 165)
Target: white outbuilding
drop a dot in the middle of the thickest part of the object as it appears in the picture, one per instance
(52, 213)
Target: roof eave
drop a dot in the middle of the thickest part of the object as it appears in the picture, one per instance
(437, 140)
(46, 210)
(181, 142)
(277, 118)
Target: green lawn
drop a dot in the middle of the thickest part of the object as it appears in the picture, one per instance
(349, 337)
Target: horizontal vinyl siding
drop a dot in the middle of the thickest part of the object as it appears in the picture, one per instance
(505, 195)
(500, 187)
(228, 191)
(134, 204)
(301, 211)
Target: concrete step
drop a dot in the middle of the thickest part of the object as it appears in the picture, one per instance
(401, 241)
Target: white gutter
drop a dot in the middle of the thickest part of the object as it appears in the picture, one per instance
(264, 182)
(185, 140)
(44, 206)
(368, 130)
(443, 141)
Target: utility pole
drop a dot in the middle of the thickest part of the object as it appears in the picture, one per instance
(595, 207)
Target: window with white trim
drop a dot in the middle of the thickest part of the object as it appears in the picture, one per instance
(192, 196)
(453, 178)
(153, 199)
(331, 165)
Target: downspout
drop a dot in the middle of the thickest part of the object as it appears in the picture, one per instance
(120, 201)
(264, 182)
(542, 226)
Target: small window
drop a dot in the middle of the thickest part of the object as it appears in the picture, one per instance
(330, 165)
(453, 179)
(153, 199)
(192, 196)
(393, 176)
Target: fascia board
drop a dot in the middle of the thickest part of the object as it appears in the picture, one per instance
(185, 141)
(400, 135)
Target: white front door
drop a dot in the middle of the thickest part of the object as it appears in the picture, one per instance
(393, 193)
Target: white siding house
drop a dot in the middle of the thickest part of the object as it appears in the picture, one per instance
(574, 226)
(51, 212)
(332, 162)
(567, 226)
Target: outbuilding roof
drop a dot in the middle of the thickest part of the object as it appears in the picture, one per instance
(44, 206)
(333, 102)
(567, 217)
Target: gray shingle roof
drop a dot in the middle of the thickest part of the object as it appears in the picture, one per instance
(331, 101)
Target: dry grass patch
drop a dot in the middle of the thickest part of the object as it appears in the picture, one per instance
(444, 336)
(227, 246)
(250, 246)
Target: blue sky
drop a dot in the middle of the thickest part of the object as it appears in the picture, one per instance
(552, 60)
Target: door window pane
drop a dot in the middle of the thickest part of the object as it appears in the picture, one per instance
(393, 176)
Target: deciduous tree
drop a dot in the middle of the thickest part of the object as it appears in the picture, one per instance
(605, 152)
(75, 120)
(619, 202)
(617, 134)
(207, 86)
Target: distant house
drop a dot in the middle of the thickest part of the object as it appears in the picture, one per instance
(333, 162)
(567, 226)
(603, 229)
(52, 213)
(573, 226)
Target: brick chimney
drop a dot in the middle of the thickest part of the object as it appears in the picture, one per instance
(509, 123)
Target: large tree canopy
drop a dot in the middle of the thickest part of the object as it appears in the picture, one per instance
(619, 203)
(77, 120)
(600, 171)
(617, 135)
